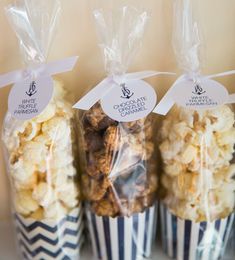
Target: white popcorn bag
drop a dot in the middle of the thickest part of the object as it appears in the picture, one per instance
(40, 142)
(196, 142)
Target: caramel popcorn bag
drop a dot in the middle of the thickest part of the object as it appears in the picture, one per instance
(196, 142)
(119, 180)
(39, 140)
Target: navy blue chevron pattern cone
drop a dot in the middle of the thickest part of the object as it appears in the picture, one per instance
(48, 239)
(123, 238)
(187, 240)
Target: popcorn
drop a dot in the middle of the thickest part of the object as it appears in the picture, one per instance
(171, 149)
(34, 152)
(24, 203)
(31, 130)
(21, 171)
(27, 184)
(41, 160)
(58, 177)
(56, 128)
(44, 139)
(197, 148)
(12, 131)
(112, 138)
(174, 168)
(222, 118)
(188, 154)
(44, 194)
(95, 189)
(68, 194)
(64, 109)
(37, 215)
(119, 175)
(47, 114)
(59, 90)
(55, 211)
(225, 138)
(98, 119)
(60, 158)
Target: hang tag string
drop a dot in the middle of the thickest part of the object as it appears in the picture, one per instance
(49, 69)
(100, 90)
(168, 102)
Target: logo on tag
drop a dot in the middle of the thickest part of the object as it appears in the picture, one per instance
(198, 90)
(126, 93)
(130, 101)
(32, 89)
(28, 99)
(205, 94)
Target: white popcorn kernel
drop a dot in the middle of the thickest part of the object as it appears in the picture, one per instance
(21, 170)
(34, 152)
(164, 131)
(48, 113)
(31, 130)
(64, 109)
(189, 154)
(12, 143)
(60, 159)
(58, 178)
(186, 116)
(170, 149)
(37, 215)
(59, 90)
(30, 183)
(224, 138)
(230, 172)
(55, 211)
(61, 175)
(56, 128)
(64, 143)
(174, 168)
(181, 130)
(24, 203)
(222, 118)
(43, 139)
(68, 194)
(44, 194)
(227, 152)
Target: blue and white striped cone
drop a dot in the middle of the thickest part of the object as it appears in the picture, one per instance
(187, 240)
(123, 238)
(230, 248)
(233, 237)
(49, 239)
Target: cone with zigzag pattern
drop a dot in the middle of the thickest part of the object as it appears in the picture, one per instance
(50, 239)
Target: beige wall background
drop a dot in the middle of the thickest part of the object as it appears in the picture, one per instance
(76, 36)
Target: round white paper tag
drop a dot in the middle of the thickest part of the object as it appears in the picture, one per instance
(130, 101)
(205, 94)
(29, 98)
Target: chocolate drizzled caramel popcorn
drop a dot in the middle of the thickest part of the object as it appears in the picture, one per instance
(119, 176)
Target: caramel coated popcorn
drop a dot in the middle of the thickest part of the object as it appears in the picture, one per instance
(41, 162)
(198, 176)
(119, 176)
